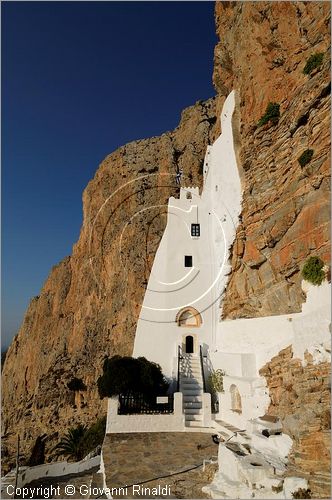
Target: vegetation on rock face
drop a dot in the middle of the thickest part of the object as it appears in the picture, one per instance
(76, 384)
(302, 493)
(314, 61)
(305, 157)
(71, 445)
(80, 440)
(272, 114)
(94, 436)
(126, 375)
(313, 270)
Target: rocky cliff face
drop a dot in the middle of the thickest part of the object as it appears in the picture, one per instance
(263, 49)
(300, 397)
(89, 305)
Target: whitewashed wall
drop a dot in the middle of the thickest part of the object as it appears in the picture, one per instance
(173, 422)
(171, 286)
(55, 469)
(263, 338)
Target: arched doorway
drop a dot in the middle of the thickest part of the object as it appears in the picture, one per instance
(189, 344)
(236, 404)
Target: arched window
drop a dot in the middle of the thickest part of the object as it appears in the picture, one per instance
(189, 317)
(236, 404)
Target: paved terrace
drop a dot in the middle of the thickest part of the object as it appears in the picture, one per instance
(133, 458)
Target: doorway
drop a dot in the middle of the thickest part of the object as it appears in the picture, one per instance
(189, 344)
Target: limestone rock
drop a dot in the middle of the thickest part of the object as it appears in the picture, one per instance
(300, 397)
(262, 51)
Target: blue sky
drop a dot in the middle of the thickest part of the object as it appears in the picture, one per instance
(80, 79)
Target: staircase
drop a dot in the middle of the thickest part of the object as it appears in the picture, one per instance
(191, 386)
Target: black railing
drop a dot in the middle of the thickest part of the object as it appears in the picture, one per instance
(202, 367)
(179, 362)
(130, 404)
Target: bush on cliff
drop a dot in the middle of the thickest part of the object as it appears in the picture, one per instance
(76, 384)
(71, 445)
(126, 375)
(314, 61)
(302, 493)
(80, 441)
(305, 157)
(94, 435)
(313, 270)
(272, 114)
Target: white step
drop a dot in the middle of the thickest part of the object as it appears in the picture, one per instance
(192, 399)
(190, 384)
(193, 411)
(193, 405)
(194, 423)
(194, 418)
(189, 389)
(192, 392)
(189, 380)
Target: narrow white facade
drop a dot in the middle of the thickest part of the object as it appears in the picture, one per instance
(182, 302)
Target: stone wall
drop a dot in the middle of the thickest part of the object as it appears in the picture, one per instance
(300, 397)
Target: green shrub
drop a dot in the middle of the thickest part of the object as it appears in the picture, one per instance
(215, 381)
(72, 444)
(305, 157)
(272, 114)
(80, 441)
(302, 493)
(314, 61)
(126, 375)
(313, 270)
(94, 435)
(76, 384)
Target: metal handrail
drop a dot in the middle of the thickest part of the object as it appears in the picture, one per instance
(202, 367)
(179, 357)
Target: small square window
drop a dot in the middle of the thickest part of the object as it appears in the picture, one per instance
(188, 261)
(195, 230)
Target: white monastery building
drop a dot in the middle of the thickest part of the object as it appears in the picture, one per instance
(180, 329)
(182, 302)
